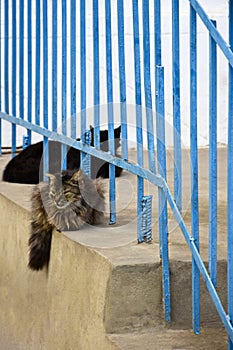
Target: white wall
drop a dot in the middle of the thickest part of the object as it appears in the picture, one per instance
(216, 9)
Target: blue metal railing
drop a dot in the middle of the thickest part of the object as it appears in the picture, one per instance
(96, 74)
(194, 167)
(213, 159)
(176, 104)
(73, 66)
(230, 180)
(39, 99)
(45, 89)
(138, 102)
(54, 66)
(112, 185)
(29, 57)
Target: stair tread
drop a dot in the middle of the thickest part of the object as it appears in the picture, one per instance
(170, 339)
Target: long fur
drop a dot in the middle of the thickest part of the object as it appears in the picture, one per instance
(67, 202)
(27, 166)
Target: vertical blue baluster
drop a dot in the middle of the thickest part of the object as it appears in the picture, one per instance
(163, 219)
(6, 56)
(64, 81)
(147, 85)
(29, 106)
(45, 90)
(110, 110)
(25, 142)
(45, 62)
(37, 88)
(73, 66)
(146, 221)
(13, 81)
(230, 179)
(83, 71)
(176, 104)
(213, 160)
(194, 167)
(86, 166)
(157, 29)
(158, 60)
(121, 50)
(96, 74)
(137, 73)
(54, 66)
(21, 59)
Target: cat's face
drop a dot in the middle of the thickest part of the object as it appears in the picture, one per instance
(65, 187)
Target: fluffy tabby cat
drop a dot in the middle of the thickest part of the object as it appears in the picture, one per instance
(66, 202)
(27, 166)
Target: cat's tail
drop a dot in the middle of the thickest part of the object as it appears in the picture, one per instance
(39, 246)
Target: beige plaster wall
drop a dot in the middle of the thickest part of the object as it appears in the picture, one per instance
(59, 309)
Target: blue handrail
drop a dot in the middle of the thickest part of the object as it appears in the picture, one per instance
(34, 75)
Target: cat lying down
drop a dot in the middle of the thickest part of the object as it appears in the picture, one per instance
(27, 166)
(66, 202)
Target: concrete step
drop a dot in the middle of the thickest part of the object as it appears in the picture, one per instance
(171, 339)
(100, 281)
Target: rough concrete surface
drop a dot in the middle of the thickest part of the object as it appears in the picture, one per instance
(100, 280)
(170, 339)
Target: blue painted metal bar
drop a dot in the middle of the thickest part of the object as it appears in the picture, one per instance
(213, 31)
(146, 221)
(21, 59)
(25, 142)
(13, 81)
(96, 74)
(112, 185)
(6, 56)
(45, 63)
(135, 169)
(158, 60)
(198, 260)
(121, 51)
(54, 66)
(64, 83)
(194, 168)
(163, 218)
(45, 89)
(37, 87)
(73, 67)
(29, 54)
(147, 85)
(83, 70)
(137, 74)
(230, 181)
(87, 160)
(157, 30)
(176, 104)
(213, 159)
(84, 157)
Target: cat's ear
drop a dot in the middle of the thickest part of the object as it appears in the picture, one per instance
(77, 176)
(117, 132)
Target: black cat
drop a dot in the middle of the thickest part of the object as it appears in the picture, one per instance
(27, 166)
